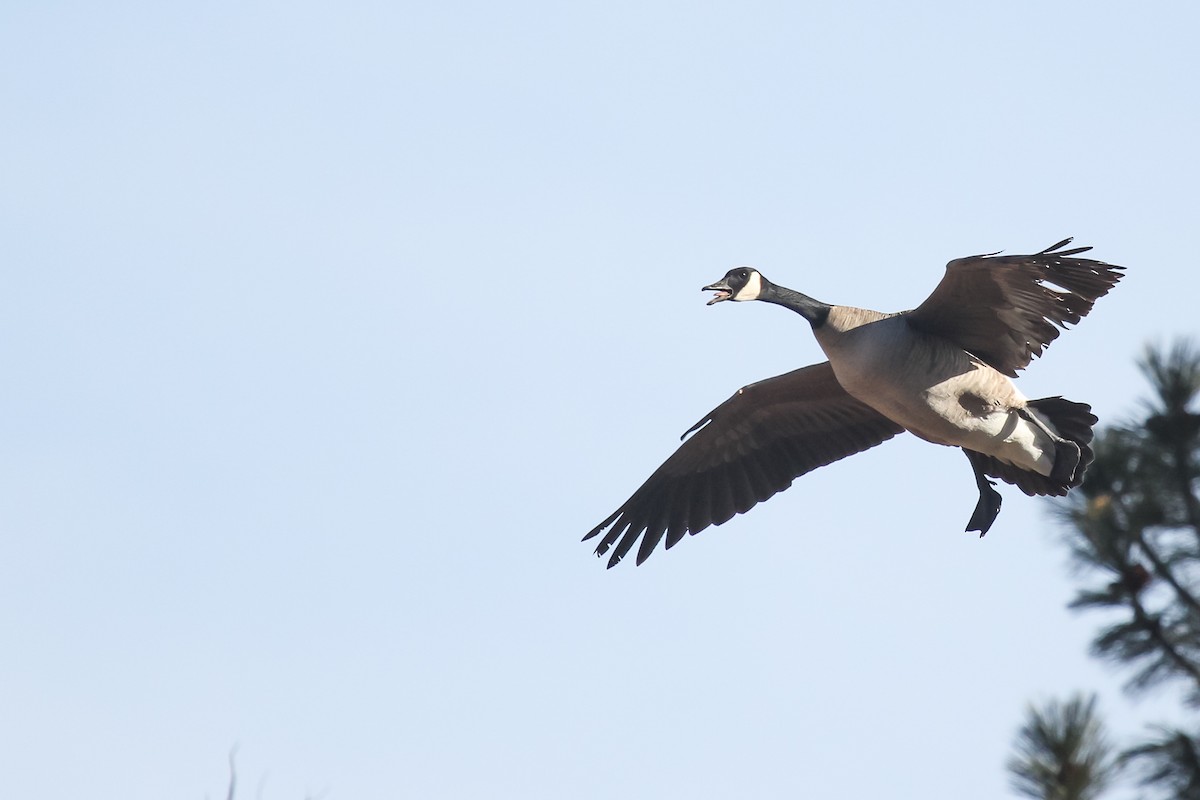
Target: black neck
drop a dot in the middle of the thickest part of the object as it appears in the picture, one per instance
(812, 310)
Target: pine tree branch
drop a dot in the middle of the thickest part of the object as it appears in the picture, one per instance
(1118, 558)
(1150, 624)
(1181, 469)
(1164, 571)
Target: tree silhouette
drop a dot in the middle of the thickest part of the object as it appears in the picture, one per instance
(1136, 524)
(1170, 764)
(1062, 752)
(1134, 541)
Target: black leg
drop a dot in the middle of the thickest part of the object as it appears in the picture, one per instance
(989, 499)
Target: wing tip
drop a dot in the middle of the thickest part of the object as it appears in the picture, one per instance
(596, 530)
(1062, 244)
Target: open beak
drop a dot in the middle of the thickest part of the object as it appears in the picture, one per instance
(723, 292)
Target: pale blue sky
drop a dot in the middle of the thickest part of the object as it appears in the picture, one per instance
(329, 328)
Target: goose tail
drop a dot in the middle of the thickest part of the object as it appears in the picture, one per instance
(1073, 422)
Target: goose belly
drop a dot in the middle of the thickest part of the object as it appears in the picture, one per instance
(938, 392)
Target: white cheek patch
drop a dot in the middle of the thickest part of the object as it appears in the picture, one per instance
(751, 290)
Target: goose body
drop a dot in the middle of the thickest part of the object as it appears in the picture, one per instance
(942, 371)
(931, 387)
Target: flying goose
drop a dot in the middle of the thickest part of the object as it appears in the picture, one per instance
(940, 371)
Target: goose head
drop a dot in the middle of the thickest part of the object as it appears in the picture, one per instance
(740, 283)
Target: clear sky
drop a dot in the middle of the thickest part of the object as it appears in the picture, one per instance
(327, 329)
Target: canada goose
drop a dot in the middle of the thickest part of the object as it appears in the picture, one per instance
(941, 371)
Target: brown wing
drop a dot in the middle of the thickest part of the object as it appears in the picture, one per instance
(1005, 309)
(747, 449)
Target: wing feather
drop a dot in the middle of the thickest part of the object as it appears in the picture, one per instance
(743, 452)
(1007, 309)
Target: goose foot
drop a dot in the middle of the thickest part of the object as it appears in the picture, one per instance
(988, 507)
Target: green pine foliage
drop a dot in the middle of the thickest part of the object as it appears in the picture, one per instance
(1134, 542)
(1062, 753)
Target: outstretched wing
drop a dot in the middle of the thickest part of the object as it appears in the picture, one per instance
(747, 449)
(1006, 309)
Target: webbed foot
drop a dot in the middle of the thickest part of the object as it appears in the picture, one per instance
(988, 507)
(986, 510)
